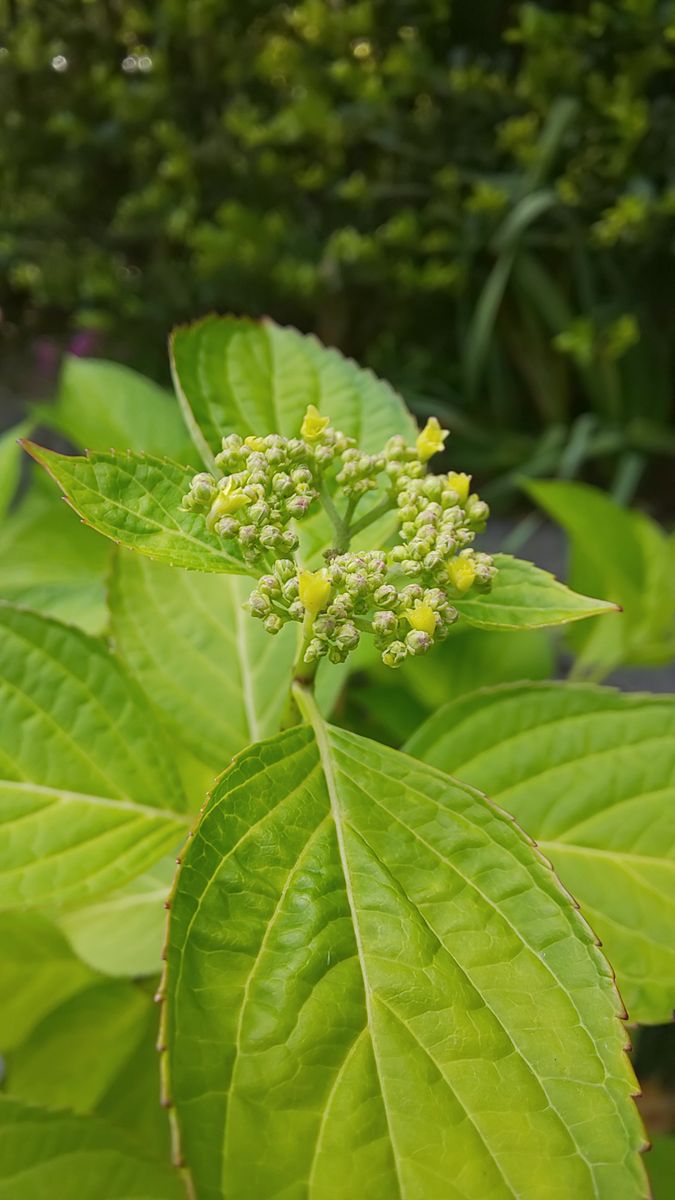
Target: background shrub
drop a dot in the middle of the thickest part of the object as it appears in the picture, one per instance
(478, 200)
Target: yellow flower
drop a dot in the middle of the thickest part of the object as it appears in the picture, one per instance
(314, 591)
(313, 424)
(229, 499)
(461, 573)
(256, 443)
(422, 617)
(430, 440)
(460, 483)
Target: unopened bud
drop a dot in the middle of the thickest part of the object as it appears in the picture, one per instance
(395, 654)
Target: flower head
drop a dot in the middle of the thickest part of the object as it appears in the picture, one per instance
(460, 483)
(461, 573)
(422, 617)
(313, 424)
(314, 589)
(431, 439)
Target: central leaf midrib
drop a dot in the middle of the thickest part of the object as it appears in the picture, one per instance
(323, 744)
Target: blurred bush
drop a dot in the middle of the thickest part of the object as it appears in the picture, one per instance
(479, 200)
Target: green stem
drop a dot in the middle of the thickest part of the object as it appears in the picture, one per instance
(341, 527)
(307, 705)
(304, 675)
(374, 515)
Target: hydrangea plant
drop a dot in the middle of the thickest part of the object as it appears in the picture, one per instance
(374, 984)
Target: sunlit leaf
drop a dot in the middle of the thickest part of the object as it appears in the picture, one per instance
(589, 773)
(375, 987)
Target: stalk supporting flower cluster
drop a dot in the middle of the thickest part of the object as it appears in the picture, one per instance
(401, 595)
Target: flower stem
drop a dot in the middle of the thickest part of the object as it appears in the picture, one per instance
(367, 519)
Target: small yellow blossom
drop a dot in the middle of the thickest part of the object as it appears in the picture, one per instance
(256, 443)
(313, 424)
(422, 617)
(314, 589)
(430, 441)
(230, 498)
(461, 573)
(460, 483)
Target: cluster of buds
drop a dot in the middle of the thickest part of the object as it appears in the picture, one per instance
(267, 483)
(403, 596)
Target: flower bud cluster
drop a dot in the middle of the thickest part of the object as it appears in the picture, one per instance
(402, 597)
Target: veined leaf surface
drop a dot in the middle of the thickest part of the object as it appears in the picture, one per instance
(44, 1153)
(89, 796)
(254, 377)
(525, 597)
(218, 679)
(590, 773)
(136, 500)
(376, 988)
(102, 404)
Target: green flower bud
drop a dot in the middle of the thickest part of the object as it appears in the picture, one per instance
(227, 527)
(385, 595)
(273, 624)
(259, 605)
(384, 623)
(418, 642)
(347, 636)
(284, 569)
(282, 484)
(268, 585)
(316, 649)
(296, 610)
(269, 536)
(395, 654)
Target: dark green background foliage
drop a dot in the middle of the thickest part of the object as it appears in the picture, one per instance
(476, 199)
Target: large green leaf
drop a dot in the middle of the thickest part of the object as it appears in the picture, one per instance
(250, 377)
(122, 932)
(51, 562)
(101, 405)
(218, 679)
(87, 786)
(377, 988)
(70, 1037)
(136, 501)
(38, 972)
(525, 597)
(589, 773)
(10, 464)
(51, 1154)
(628, 558)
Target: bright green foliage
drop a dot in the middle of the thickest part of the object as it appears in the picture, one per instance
(103, 405)
(10, 464)
(248, 377)
(661, 1165)
(38, 972)
(525, 597)
(590, 774)
(376, 987)
(219, 681)
(89, 794)
(70, 1037)
(59, 1154)
(136, 501)
(121, 933)
(50, 562)
(625, 556)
